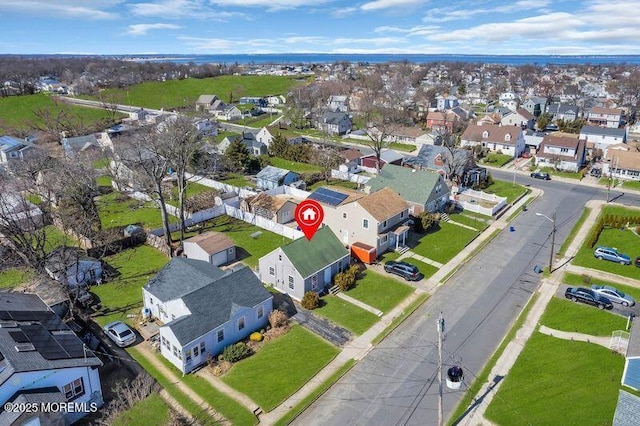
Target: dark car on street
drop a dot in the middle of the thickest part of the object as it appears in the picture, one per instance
(406, 270)
(588, 296)
(541, 175)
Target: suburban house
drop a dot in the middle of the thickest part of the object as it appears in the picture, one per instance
(387, 156)
(334, 123)
(509, 100)
(603, 137)
(78, 144)
(411, 135)
(444, 161)
(271, 177)
(72, 266)
(623, 165)
(204, 309)
(422, 190)
(213, 247)
(43, 361)
(532, 140)
(205, 102)
(631, 373)
(627, 409)
(278, 208)
(444, 103)
(14, 149)
(338, 103)
(520, 117)
(562, 111)
(206, 127)
(249, 140)
(605, 117)
(305, 265)
(437, 120)
(535, 105)
(19, 213)
(507, 139)
(351, 159)
(373, 223)
(561, 152)
(253, 100)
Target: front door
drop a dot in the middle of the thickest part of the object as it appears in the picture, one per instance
(327, 275)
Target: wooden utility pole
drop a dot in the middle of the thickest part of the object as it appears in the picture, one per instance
(440, 332)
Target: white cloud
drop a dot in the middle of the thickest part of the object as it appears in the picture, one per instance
(343, 12)
(142, 29)
(413, 31)
(180, 9)
(271, 5)
(62, 8)
(387, 4)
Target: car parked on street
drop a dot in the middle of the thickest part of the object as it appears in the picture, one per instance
(406, 270)
(120, 333)
(613, 294)
(611, 254)
(541, 175)
(588, 296)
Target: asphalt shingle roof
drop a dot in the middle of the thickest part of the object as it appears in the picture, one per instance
(272, 174)
(411, 184)
(606, 131)
(627, 410)
(182, 276)
(310, 256)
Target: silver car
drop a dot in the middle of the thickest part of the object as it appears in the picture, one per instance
(120, 333)
(613, 294)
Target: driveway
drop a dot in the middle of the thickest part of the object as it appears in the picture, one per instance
(617, 308)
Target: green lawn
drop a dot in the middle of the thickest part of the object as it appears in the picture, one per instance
(335, 182)
(406, 147)
(238, 180)
(345, 314)
(497, 160)
(381, 292)
(123, 294)
(478, 222)
(559, 382)
(19, 112)
(506, 189)
(281, 367)
(104, 180)
(178, 93)
(54, 238)
(445, 242)
(117, 209)
(294, 166)
(150, 411)
(426, 269)
(565, 315)
(193, 188)
(574, 231)
(554, 172)
(11, 277)
(624, 240)
(631, 184)
(259, 122)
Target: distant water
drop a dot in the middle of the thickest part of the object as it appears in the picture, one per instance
(320, 58)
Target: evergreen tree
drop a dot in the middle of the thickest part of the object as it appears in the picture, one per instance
(238, 154)
(278, 146)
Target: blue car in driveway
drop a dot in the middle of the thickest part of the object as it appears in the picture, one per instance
(611, 254)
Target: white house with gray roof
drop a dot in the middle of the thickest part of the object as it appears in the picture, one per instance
(43, 361)
(603, 137)
(204, 309)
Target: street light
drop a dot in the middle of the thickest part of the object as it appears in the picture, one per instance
(551, 219)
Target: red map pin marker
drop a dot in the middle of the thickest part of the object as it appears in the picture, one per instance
(309, 215)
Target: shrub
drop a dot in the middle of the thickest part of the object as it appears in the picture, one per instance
(347, 279)
(255, 337)
(310, 300)
(278, 319)
(234, 353)
(586, 280)
(429, 220)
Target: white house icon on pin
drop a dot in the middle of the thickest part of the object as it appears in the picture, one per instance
(309, 215)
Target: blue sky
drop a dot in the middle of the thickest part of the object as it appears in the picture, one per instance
(543, 27)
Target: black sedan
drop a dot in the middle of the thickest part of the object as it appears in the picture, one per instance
(541, 175)
(588, 296)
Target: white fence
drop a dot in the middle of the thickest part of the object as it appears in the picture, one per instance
(352, 177)
(500, 202)
(225, 187)
(263, 223)
(289, 190)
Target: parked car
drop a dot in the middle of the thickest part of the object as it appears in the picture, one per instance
(611, 254)
(406, 270)
(120, 333)
(541, 175)
(613, 294)
(596, 173)
(590, 297)
(637, 263)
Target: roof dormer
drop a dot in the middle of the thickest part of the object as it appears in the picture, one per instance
(485, 134)
(507, 137)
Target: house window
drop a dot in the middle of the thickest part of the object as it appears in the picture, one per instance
(402, 213)
(290, 282)
(485, 134)
(74, 389)
(240, 323)
(272, 271)
(564, 149)
(344, 215)
(260, 312)
(173, 317)
(507, 137)
(202, 347)
(175, 351)
(151, 300)
(384, 224)
(196, 351)
(165, 343)
(314, 282)
(383, 239)
(280, 257)
(230, 251)
(220, 335)
(365, 223)
(188, 355)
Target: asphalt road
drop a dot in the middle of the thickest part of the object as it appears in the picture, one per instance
(396, 384)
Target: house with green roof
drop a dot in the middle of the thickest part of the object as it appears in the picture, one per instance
(422, 190)
(305, 265)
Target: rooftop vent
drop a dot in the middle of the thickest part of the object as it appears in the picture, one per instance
(25, 347)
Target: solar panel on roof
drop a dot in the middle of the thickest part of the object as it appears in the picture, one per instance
(19, 336)
(327, 196)
(44, 342)
(5, 316)
(71, 344)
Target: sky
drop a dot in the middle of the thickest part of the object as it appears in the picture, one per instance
(521, 27)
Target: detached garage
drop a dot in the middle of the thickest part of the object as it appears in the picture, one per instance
(213, 247)
(631, 374)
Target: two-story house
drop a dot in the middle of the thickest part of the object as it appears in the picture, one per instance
(338, 103)
(561, 152)
(520, 117)
(373, 223)
(603, 137)
(507, 139)
(535, 105)
(204, 309)
(305, 265)
(452, 164)
(565, 112)
(334, 123)
(42, 360)
(605, 117)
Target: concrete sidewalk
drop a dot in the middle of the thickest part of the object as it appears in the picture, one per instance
(579, 337)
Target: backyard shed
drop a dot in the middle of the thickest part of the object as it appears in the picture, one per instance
(365, 253)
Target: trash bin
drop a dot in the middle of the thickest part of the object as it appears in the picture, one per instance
(512, 228)
(537, 269)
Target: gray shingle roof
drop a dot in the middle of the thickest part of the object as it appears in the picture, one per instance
(606, 131)
(182, 276)
(272, 174)
(627, 410)
(216, 303)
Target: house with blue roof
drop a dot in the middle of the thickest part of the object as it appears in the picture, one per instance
(14, 149)
(204, 309)
(272, 177)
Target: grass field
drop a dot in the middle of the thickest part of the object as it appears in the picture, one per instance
(179, 93)
(123, 294)
(19, 112)
(506, 189)
(405, 147)
(445, 242)
(381, 292)
(497, 160)
(426, 269)
(294, 166)
(565, 315)
(11, 277)
(624, 240)
(631, 184)
(554, 172)
(268, 380)
(116, 209)
(335, 182)
(55, 238)
(345, 314)
(559, 382)
(238, 180)
(150, 411)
